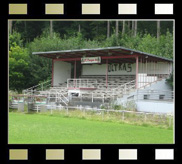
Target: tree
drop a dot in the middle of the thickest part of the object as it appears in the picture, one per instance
(129, 25)
(15, 39)
(29, 29)
(51, 28)
(19, 72)
(170, 80)
(79, 28)
(93, 30)
(108, 29)
(158, 30)
(10, 26)
(123, 30)
(135, 28)
(117, 27)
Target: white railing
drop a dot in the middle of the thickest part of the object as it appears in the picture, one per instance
(109, 94)
(58, 96)
(81, 83)
(125, 88)
(93, 96)
(63, 98)
(40, 87)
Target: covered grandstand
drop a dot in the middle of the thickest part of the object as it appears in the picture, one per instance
(100, 74)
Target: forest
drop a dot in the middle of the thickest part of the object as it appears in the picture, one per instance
(25, 37)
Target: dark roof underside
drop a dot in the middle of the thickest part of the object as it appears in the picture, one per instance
(103, 52)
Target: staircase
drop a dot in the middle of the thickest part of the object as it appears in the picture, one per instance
(55, 95)
(58, 97)
(35, 90)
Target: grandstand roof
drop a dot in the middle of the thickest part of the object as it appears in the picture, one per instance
(103, 53)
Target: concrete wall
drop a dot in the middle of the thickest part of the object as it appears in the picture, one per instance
(162, 88)
(155, 106)
(150, 105)
(62, 71)
(127, 69)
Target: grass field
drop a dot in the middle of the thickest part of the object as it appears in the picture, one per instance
(47, 129)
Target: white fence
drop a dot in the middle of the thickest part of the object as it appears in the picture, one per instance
(144, 116)
(82, 108)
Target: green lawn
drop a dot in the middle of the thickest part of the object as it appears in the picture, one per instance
(47, 129)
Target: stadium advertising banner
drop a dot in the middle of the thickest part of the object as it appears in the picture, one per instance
(90, 60)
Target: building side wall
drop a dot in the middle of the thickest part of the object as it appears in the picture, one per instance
(127, 69)
(155, 106)
(62, 71)
(162, 88)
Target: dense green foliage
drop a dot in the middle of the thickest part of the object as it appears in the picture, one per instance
(19, 61)
(170, 80)
(46, 129)
(145, 43)
(90, 29)
(27, 70)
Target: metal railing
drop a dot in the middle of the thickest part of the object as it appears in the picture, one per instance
(81, 83)
(125, 88)
(109, 94)
(62, 98)
(58, 96)
(35, 89)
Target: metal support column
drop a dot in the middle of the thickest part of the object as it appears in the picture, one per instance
(52, 73)
(106, 73)
(75, 74)
(136, 82)
(75, 70)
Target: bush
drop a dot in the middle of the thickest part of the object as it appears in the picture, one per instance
(19, 71)
(131, 105)
(118, 107)
(170, 80)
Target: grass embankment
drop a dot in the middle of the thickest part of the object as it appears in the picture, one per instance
(61, 129)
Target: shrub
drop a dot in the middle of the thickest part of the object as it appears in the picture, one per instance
(131, 105)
